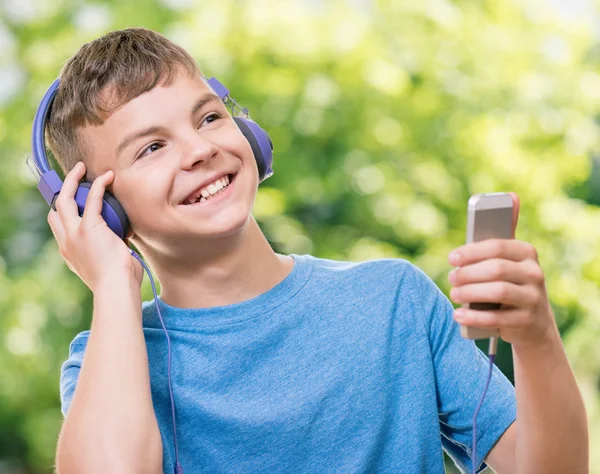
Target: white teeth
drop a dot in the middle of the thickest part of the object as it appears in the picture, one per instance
(215, 188)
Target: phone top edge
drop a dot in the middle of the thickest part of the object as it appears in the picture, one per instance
(490, 201)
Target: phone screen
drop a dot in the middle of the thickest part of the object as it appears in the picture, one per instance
(493, 224)
(490, 224)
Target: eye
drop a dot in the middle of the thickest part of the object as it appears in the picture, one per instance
(210, 118)
(150, 149)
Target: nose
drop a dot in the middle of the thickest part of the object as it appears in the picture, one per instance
(197, 149)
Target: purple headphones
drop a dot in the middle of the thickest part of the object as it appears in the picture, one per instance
(112, 212)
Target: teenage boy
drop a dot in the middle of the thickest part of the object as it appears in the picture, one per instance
(287, 364)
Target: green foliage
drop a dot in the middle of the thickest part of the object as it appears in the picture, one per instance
(385, 116)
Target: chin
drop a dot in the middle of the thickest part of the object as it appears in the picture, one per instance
(193, 237)
(229, 221)
(223, 226)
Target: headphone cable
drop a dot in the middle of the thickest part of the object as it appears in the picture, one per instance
(178, 468)
(492, 349)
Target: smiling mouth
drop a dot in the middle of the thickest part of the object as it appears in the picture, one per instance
(209, 192)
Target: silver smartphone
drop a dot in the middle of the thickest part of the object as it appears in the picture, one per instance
(489, 217)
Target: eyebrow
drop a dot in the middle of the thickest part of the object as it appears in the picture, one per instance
(153, 129)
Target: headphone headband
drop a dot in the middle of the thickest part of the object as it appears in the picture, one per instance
(39, 125)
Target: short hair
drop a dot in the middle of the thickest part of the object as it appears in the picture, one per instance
(104, 75)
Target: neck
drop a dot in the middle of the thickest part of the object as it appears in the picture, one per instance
(236, 269)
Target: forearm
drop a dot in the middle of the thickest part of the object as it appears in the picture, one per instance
(111, 425)
(551, 422)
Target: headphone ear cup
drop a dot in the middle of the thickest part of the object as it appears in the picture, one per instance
(261, 145)
(112, 211)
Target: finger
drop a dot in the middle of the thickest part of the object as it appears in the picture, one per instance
(497, 269)
(60, 236)
(65, 203)
(523, 296)
(515, 214)
(56, 227)
(93, 204)
(508, 249)
(502, 318)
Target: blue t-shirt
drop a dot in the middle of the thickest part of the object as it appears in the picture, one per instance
(340, 368)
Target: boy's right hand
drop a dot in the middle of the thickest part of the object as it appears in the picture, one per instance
(91, 250)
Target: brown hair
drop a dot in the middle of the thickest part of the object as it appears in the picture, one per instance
(104, 75)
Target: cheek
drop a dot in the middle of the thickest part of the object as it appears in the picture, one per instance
(234, 142)
(140, 195)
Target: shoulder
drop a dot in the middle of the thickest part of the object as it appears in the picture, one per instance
(76, 350)
(381, 266)
(79, 342)
(395, 281)
(382, 271)
(69, 373)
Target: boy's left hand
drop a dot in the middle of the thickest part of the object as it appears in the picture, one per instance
(507, 272)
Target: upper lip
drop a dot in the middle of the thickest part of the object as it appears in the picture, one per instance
(207, 181)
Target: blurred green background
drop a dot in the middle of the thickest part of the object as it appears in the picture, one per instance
(386, 116)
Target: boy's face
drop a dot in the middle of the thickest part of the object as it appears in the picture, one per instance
(164, 147)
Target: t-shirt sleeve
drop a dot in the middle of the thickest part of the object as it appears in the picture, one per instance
(69, 373)
(461, 371)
